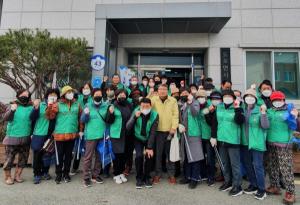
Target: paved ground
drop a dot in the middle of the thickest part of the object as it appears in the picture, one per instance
(110, 193)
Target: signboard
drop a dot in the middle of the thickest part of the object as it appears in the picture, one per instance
(225, 64)
(96, 82)
(98, 62)
(125, 74)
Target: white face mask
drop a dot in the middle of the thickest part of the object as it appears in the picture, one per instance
(133, 82)
(266, 93)
(239, 99)
(201, 100)
(278, 103)
(86, 91)
(208, 92)
(215, 102)
(193, 91)
(250, 100)
(145, 82)
(228, 100)
(151, 85)
(164, 81)
(52, 99)
(146, 111)
(69, 96)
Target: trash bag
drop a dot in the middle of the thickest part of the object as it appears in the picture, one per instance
(174, 149)
(79, 147)
(105, 150)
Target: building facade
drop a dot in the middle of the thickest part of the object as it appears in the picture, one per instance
(242, 40)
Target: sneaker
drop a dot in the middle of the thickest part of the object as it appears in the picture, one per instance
(260, 195)
(250, 190)
(148, 183)
(97, 180)
(272, 190)
(193, 184)
(73, 172)
(139, 184)
(67, 178)
(47, 177)
(184, 181)
(236, 191)
(87, 183)
(58, 179)
(211, 182)
(123, 178)
(118, 179)
(37, 179)
(172, 180)
(156, 179)
(225, 187)
(289, 198)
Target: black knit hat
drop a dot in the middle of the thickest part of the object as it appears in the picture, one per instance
(215, 94)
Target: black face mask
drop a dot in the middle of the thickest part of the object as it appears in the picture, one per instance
(157, 82)
(177, 97)
(98, 98)
(23, 100)
(122, 101)
(184, 98)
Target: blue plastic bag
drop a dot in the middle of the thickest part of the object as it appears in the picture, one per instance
(79, 147)
(105, 150)
(289, 118)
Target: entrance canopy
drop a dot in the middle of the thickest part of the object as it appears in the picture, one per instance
(146, 18)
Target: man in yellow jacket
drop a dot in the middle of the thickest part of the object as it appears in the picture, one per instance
(167, 109)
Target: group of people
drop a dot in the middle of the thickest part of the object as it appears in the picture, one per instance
(249, 132)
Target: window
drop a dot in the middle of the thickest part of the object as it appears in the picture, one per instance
(282, 68)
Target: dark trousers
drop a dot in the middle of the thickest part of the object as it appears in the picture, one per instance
(64, 149)
(76, 162)
(163, 145)
(129, 148)
(142, 169)
(210, 160)
(231, 159)
(192, 170)
(38, 164)
(119, 163)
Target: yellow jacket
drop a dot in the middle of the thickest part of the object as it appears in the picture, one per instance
(167, 112)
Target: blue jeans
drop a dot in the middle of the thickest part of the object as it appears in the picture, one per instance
(246, 159)
(192, 170)
(231, 160)
(258, 165)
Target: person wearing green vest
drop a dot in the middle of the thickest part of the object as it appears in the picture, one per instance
(18, 132)
(144, 86)
(191, 143)
(94, 119)
(280, 153)
(253, 144)
(208, 165)
(43, 129)
(118, 133)
(229, 118)
(84, 97)
(144, 122)
(66, 112)
(265, 90)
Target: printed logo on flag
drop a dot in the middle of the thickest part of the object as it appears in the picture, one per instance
(98, 62)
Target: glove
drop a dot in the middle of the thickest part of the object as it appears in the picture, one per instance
(213, 142)
(181, 128)
(205, 111)
(81, 135)
(86, 110)
(295, 113)
(263, 109)
(13, 107)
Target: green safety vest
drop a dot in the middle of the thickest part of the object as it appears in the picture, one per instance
(116, 126)
(256, 139)
(95, 127)
(20, 126)
(138, 125)
(42, 124)
(80, 100)
(279, 131)
(205, 128)
(228, 130)
(194, 130)
(67, 118)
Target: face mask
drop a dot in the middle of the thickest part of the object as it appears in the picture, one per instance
(52, 99)
(86, 91)
(208, 92)
(250, 100)
(164, 81)
(122, 100)
(151, 85)
(239, 99)
(215, 102)
(177, 97)
(201, 100)
(97, 99)
(133, 82)
(193, 91)
(157, 82)
(69, 96)
(278, 104)
(266, 93)
(228, 100)
(23, 99)
(184, 98)
(111, 94)
(145, 82)
(146, 111)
